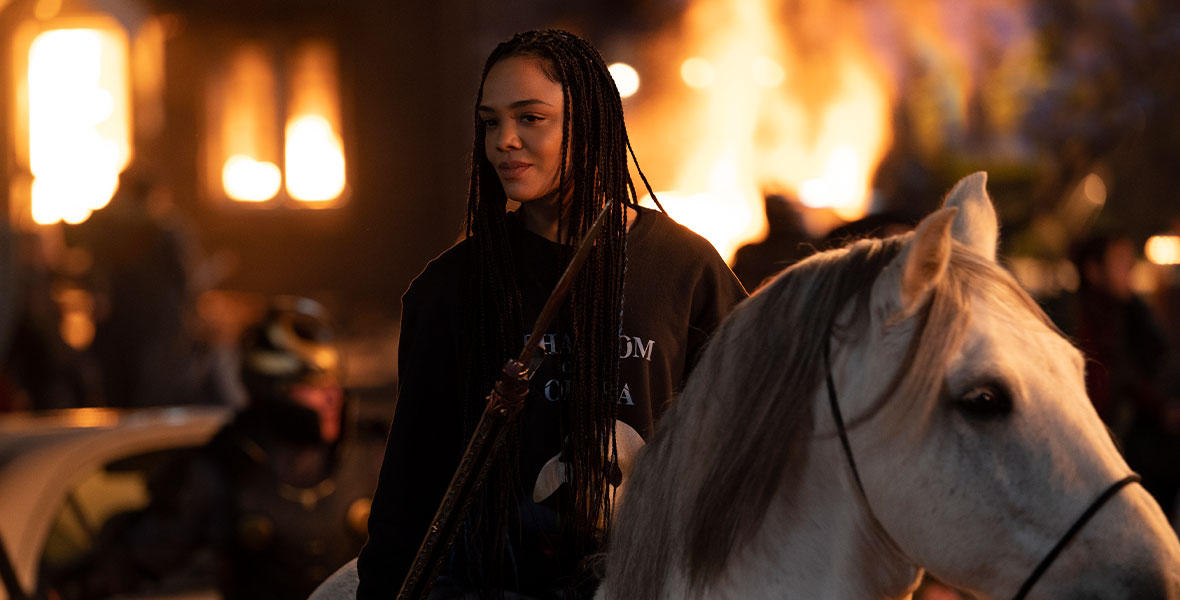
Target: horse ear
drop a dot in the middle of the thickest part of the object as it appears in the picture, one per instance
(926, 258)
(907, 282)
(976, 226)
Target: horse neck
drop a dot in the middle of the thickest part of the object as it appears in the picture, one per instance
(821, 539)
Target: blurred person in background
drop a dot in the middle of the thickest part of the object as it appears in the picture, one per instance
(277, 500)
(877, 225)
(38, 369)
(786, 241)
(147, 274)
(1167, 301)
(1127, 352)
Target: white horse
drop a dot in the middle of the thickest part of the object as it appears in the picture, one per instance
(972, 447)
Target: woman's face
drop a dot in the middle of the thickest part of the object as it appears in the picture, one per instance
(522, 111)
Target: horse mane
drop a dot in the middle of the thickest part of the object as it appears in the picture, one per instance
(747, 408)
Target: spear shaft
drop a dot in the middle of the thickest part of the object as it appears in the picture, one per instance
(503, 405)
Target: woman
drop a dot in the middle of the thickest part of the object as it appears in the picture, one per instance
(549, 134)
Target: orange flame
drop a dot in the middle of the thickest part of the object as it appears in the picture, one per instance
(247, 156)
(78, 118)
(798, 98)
(314, 150)
(789, 111)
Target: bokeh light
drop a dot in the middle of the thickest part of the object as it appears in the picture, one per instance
(79, 132)
(626, 78)
(1163, 249)
(768, 72)
(697, 72)
(249, 180)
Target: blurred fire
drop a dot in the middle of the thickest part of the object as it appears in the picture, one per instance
(314, 149)
(76, 100)
(789, 109)
(246, 103)
(246, 147)
(799, 98)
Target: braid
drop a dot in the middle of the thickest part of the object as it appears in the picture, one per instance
(594, 138)
(493, 318)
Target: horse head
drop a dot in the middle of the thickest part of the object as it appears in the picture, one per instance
(991, 450)
(970, 448)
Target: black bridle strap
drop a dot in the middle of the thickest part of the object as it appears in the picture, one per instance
(842, 430)
(1045, 562)
(839, 419)
(1073, 530)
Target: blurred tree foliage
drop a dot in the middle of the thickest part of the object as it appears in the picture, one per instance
(1111, 107)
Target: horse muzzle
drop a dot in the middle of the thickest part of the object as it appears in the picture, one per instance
(1129, 552)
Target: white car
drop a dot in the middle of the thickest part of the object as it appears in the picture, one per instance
(64, 473)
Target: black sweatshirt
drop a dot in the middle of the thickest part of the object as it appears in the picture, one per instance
(676, 292)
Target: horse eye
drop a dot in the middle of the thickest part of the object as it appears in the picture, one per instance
(984, 402)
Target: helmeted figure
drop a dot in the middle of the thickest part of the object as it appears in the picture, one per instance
(298, 489)
(279, 498)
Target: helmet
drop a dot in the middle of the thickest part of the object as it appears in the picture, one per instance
(283, 356)
(293, 343)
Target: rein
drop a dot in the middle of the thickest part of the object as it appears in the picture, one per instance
(1043, 566)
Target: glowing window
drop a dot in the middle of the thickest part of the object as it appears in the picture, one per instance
(314, 150)
(76, 98)
(273, 148)
(248, 153)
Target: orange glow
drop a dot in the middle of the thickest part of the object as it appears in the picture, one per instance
(697, 72)
(78, 119)
(247, 152)
(315, 164)
(799, 99)
(248, 180)
(315, 160)
(77, 316)
(785, 108)
(626, 78)
(91, 417)
(1163, 249)
(767, 72)
(147, 66)
(840, 187)
(1094, 189)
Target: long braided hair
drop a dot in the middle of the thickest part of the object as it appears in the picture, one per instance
(594, 138)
